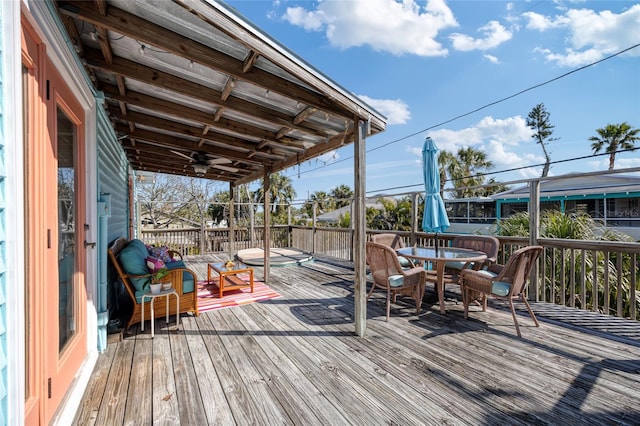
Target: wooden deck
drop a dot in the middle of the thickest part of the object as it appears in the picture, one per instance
(296, 360)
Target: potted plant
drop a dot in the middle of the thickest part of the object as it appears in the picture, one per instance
(158, 271)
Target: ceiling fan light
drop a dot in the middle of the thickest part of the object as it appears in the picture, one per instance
(200, 169)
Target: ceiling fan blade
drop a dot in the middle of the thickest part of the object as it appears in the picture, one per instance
(213, 161)
(182, 155)
(226, 168)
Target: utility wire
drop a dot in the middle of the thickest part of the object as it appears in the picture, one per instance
(584, 157)
(479, 109)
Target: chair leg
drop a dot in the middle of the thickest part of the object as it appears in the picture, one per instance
(533, 316)
(373, 286)
(466, 294)
(388, 303)
(513, 314)
(417, 296)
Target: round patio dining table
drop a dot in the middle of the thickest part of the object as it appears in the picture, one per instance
(439, 257)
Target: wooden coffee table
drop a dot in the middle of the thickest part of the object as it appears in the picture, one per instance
(228, 277)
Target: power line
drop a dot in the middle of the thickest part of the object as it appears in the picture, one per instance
(566, 160)
(478, 109)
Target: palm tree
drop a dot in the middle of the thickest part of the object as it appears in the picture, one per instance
(323, 202)
(445, 160)
(282, 192)
(538, 121)
(614, 137)
(342, 195)
(467, 169)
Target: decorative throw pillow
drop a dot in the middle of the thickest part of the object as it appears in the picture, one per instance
(161, 252)
(154, 263)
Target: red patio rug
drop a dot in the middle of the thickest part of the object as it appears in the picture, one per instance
(208, 296)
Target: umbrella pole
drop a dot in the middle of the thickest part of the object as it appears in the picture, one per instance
(436, 241)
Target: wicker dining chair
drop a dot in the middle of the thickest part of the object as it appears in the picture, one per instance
(484, 243)
(504, 282)
(396, 242)
(390, 276)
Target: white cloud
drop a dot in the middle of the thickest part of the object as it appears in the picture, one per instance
(592, 35)
(620, 163)
(396, 111)
(492, 59)
(384, 25)
(494, 34)
(507, 142)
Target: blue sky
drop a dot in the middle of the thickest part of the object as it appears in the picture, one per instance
(422, 63)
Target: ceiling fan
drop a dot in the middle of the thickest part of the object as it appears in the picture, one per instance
(202, 161)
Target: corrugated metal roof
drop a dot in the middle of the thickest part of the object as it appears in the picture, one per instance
(192, 81)
(577, 185)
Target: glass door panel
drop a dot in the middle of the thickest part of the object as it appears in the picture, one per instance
(66, 135)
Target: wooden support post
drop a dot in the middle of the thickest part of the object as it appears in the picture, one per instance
(267, 221)
(232, 227)
(359, 232)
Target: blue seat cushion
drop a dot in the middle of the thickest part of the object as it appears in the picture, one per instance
(176, 264)
(404, 262)
(500, 288)
(188, 283)
(455, 265)
(396, 280)
(487, 273)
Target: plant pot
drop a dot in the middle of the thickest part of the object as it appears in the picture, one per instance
(156, 288)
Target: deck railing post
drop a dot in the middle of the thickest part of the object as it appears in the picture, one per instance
(534, 234)
(414, 219)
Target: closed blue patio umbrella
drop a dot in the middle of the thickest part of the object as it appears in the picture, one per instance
(435, 215)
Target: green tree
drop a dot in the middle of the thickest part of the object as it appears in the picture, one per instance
(323, 201)
(466, 169)
(394, 215)
(171, 199)
(538, 121)
(445, 162)
(282, 193)
(341, 195)
(614, 137)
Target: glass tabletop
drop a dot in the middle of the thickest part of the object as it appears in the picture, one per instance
(447, 253)
(222, 266)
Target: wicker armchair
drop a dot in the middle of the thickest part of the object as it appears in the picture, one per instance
(389, 275)
(504, 282)
(484, 243)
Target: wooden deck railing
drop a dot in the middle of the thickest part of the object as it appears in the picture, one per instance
(596, 276)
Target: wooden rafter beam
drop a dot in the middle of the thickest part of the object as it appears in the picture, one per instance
(105, 46)
(187, 113)
(101, 5)
(304, 114)
(249, 61)
(153, 77)
(162, 38)
(184, 143)
(334, 143)
(228, 87)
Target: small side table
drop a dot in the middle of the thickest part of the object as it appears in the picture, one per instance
(152, 297)
(228, 277)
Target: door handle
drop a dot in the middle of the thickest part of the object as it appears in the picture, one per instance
(92, 245)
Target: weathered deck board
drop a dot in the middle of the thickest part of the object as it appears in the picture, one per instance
(214, 405)
(296, 360)
(90, 405)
